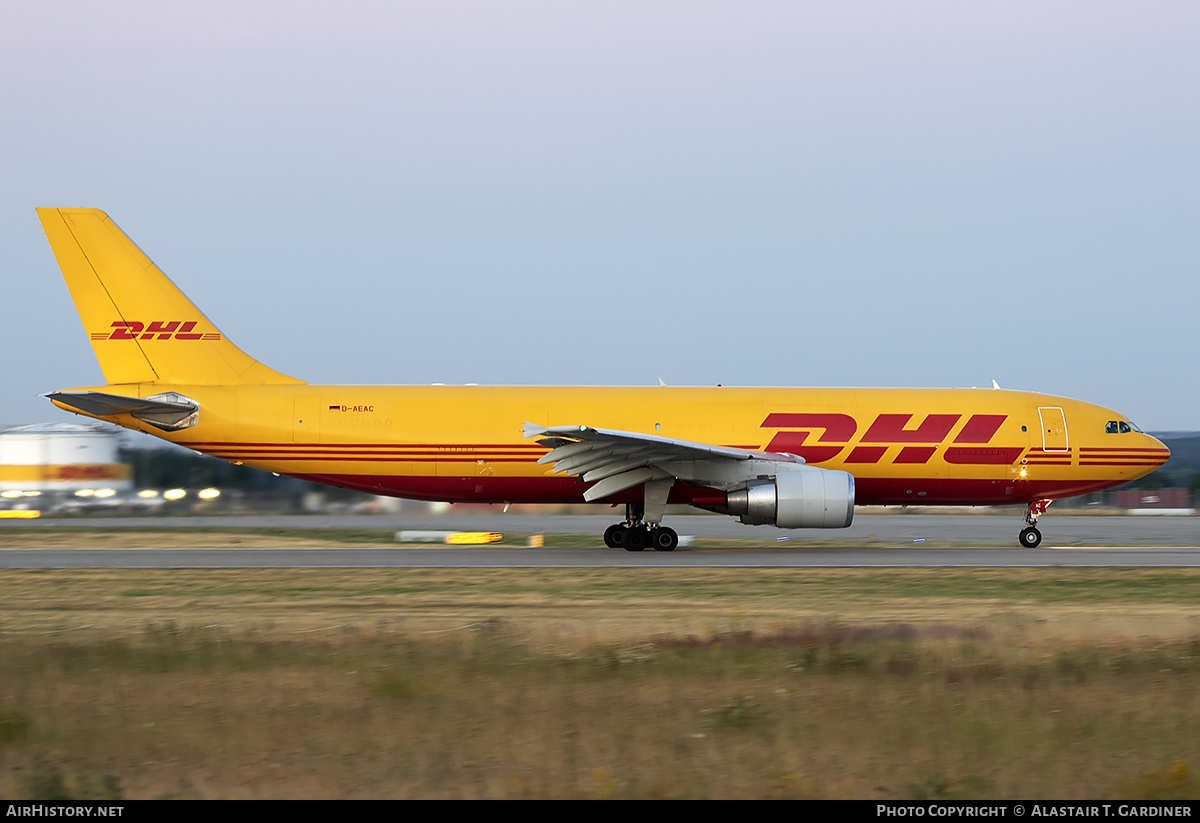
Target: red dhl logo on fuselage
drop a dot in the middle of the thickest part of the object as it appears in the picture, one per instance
(162, 329)
(918, 444)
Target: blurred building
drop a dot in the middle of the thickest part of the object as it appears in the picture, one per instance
(61, 459)
(1152, 498)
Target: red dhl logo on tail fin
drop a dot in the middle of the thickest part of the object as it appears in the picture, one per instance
(156, 329)
(890, 429)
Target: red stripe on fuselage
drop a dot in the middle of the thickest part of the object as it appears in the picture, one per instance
(961, 455)
(870, 491)
(199, 444)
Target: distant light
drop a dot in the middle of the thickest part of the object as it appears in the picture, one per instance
(105, 492)
(85, 492)
(146, 494)
(12, 493)
(31, 494)
(781, 538)
(175, 494)
(919, 540)
(210, 494)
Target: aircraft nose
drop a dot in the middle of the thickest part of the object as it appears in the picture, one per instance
(1151, 452)
(1160, 451)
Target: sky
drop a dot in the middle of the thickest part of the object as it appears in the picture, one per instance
(568, 193)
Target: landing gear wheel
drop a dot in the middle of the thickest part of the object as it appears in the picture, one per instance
(1031, 538)
(636, 539)
(664, 539)
(614, 536)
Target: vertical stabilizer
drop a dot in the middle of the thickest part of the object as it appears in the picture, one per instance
(143, 329)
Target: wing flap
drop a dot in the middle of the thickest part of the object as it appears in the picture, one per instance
(610, 469)
(619, 483)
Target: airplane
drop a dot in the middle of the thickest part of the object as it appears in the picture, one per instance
(793, 458)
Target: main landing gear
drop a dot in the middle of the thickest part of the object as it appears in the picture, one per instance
(1030, 537)
(637, 533)
(639, 536)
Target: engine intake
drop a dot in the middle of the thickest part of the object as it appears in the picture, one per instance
(806, 499)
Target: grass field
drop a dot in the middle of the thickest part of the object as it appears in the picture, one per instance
(940, 683)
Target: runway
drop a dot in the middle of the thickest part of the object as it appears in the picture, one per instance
(980, 541)
(959, 529)
(521, 558)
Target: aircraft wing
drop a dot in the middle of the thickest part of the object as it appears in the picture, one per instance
(619, 460)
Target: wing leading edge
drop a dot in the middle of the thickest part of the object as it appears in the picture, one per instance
(619, 460)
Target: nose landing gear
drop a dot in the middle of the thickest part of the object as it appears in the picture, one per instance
(1030, 537)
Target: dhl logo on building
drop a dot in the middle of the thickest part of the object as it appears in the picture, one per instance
(162, 329)
(917, 444)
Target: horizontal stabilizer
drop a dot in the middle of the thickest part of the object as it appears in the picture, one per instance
(169, 411)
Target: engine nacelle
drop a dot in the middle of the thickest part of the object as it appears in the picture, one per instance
(806, 499)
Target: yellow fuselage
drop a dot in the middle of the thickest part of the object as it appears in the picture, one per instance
(465, 444)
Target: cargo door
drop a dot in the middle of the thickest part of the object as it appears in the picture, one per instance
(1054, 429)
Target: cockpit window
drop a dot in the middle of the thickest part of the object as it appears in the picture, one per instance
(1125, 428)
(1110, 427)
(1133, 426)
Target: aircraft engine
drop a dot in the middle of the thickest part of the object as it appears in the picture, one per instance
(808, 499)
